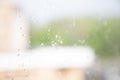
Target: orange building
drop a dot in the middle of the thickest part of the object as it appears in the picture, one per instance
(13, 28)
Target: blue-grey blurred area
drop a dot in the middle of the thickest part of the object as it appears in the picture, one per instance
(95, 23)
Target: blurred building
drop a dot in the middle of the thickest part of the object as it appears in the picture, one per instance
(13, 27)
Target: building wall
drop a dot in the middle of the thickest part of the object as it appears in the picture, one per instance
(13, 28)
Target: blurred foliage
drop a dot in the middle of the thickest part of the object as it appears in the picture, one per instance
(102, 34)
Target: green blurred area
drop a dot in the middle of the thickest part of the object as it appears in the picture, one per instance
(102, 34)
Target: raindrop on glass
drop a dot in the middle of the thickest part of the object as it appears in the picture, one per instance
(82, 41)
(23, 35)
(74, 24)
(61, 42)
(12, 78)
(20, 28)
(105, 23)
(56, 36)
(53, 45)
(49, 30)
(42, 44)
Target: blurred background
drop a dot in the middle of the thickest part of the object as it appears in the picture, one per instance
(93, 23)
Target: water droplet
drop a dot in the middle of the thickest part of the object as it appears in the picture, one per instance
(74, 24)
(23, 35)
(24, 70)
(109, 30)
(74, 44)
(56, 36)
(52, 42)
(82, 41)
(66, 31)
(42, 44)
(18, 54)
(12, 78)
(53, 45)
(61, 42)
(48, 34)
(105, 23)
(49, 30)
(18, 50)
(100, 18)
(20, 28)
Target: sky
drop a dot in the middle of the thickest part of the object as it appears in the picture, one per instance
(46, 10)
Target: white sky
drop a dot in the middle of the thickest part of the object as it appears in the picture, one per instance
(46, 10)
